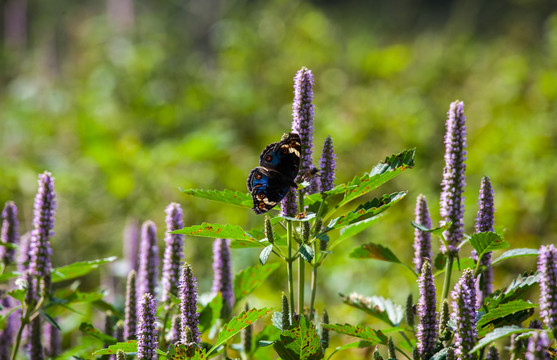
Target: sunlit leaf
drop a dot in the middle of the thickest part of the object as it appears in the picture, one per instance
(497, 333)
(233, 232)
(306, 252)
(504, 310)
(225, 196)
(182, 352)
(376, 306)
(435, 231)
(210, 313)
(9, 275)
(353, 345)
(249, 279)
(353, 229)
(374, 251)
(484, 242)
(78, 269)
(128, 347)
(366, 333)
(515, 253)
(90, 330)
(264, 255)
(516, 290)
(299, 342)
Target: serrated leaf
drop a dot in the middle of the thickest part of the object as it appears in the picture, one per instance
(504, 310)
(497, 333)
(78, 269)
(89, 329)
(380, 174)
(182, 352)
(378, 307)
(485, 242)
(128, 347)
(264, 255)
(224, 196)
(365, 211)
(366, 333)
(515, 253)
(210, 313)
(233, 232)
(306, 252)
(374, 251)
(516, 290)
(18, 294)
(239, 322)
(339, 189)
(352, 230)
(249, 279)
(299, 342)
(9, 275)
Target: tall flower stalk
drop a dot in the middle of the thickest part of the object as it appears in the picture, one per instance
(173, 252)
(222, 281)
(422, 239)
(427, 327)
(547, 267)
(464, 315)
(130, 315)
(327, 165)
(188, 307)
(10, 233)
(131, 243)
(537, 347)
(147, 329)
(148, 259)
(484, 222)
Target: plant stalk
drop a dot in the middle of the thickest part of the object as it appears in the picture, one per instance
(301, 282)
(289, 261)
(315, 265)
(448, 273)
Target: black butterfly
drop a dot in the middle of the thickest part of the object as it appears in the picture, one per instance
(278, 167)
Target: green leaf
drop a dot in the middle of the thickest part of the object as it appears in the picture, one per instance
(374, 251)
(233, 232)
(66, 295)
(497, 333)
(78, 269)
(435, 231)
(365, 211)
(299, 342)
(306, 252)
(504, 310)
(516, 290)
(353, 345)
(90, 330)
(485, 242)
(378, 307)
(8, 245)
(128, 347)
(380, 174)
(225, 196)
(210, 313)
(182, 352)
(515, 253)
(249, 279)
(366, 333)
(18, 294)
(239, 322)
(264, 255)
(9, 275)
(351, 230)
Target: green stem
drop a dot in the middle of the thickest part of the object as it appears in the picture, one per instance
(301, 201)
(169, 306)
(319, 213)
(301, 283)
(289, 261)
(313, 279)
(24, 321)
(448, 272)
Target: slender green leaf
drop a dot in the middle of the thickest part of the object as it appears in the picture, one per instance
(374, 251)
(435, 231)
(182, 352)
(306, 252)
(299, 342)
(233, 232)
(485, 242)
(504, 310)
(67, 295)
(515, 253)
(49, 319)
(498, 333)
(225, 196)
(128, 347)
(210, 313)
(380, 174)
(378, 307)
(8, 245)
(90, 330)
(264, 255)
(9, 275)
(353, 345)
(78, 269)
(366, 333)
(249, 279)
(239, 322)
(354, 229)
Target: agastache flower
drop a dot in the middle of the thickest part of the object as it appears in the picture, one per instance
(547, 267)
(327, 165)
(537, 347)
(324, 332)
(484, 222)
(131, 243)
(10, 234)
(173, 252)
(130, 316)
(147, 336)
(222, 282)
(188, 307)
(464, 315)
(492, 354)
(24, 253)
(427, 327)
(175, 330)
(454, 180)
(422, 239)
(9, 330)
(148, 259)
(36, 350)
(43, 225)
(288, 205)
(302, 122)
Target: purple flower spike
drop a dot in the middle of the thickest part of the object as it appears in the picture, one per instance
(148, 259)
(464, 315)
(147, 336)
(327, 165)
(222, 282)
(43, 225)
(547, 267)
(537, 347)
(131, 243)
(302, 122)
(7, 334)
(454, 180)
(53, 340)
(492, 354)
(422, 240)
(173, 252)
(288, 205)
(188, 307)
(130, 316)
(427, 328)
(484, 222)
(24, 253)
(10, 234)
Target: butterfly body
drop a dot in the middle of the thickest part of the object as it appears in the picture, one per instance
(272, 179)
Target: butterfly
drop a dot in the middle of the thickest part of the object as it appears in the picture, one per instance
(278, 167)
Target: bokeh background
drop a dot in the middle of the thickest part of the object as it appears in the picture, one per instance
(126, 101)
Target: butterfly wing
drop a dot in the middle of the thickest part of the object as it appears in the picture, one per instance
(267, 187)
(283, 157)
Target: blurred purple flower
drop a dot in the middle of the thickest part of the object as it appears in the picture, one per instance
(492, 354)
(222, 281)
(537, 347)
(43, 225)
(247, 335)
(454, 180)
(422, 240)
(24, 252)
(130, 316)
(131, 243)
(547, 267)
(427, 304)
(175, 330)
(173, 252)
(288, 205)
(188, 306)
(53, 340)
(327, 165)
(302, 123)
(10, 233)
(148, 260)
(147, 336)
(7, 334)
(464, 315)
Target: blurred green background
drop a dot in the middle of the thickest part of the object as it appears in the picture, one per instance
(125, 101)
